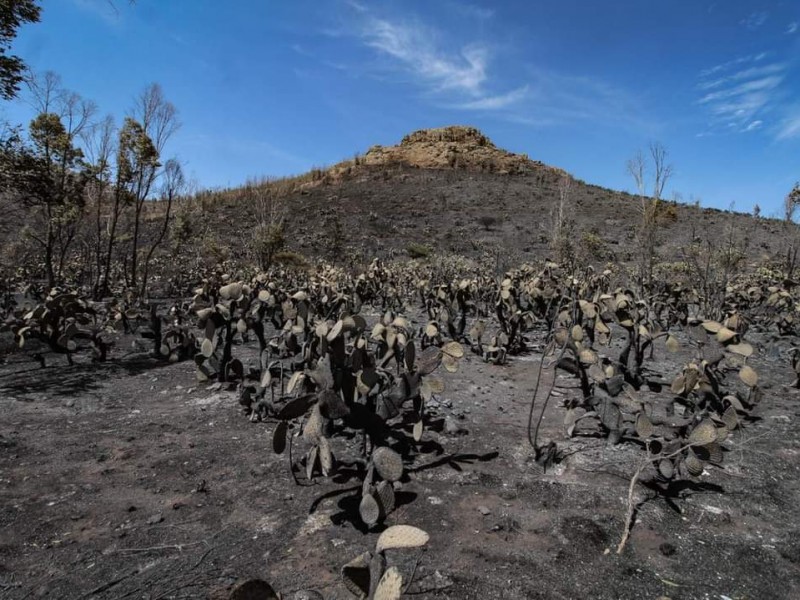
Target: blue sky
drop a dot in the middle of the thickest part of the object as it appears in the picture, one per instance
(273, 88)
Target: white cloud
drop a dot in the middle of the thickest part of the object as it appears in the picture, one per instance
(496, 102)
(790, 127)
(742, 75)
(472, 11)
(792, 27)
(557, 98)
(357, 6)
(462, 77)
(755, 19)
(732, 63)
(739, 94)
(742, 89)
(412, 46)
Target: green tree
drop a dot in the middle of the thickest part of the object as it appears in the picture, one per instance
(140, 143)
(152, 121)
(13, 14)
(137, 165)
(43, 174)
(45, 177)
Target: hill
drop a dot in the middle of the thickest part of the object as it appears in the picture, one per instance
(451, 190)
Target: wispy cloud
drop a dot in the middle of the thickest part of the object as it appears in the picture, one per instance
(750, 87)
(411, 45)
(739, 94)
(496, 102)
(744, 74)
(733, 63)
(357, 6)
(755, 19)
(464, 77)
(561, 98)
(792, 27)
(790, 127)
(472, 11)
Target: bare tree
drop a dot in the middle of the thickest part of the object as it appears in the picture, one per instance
(99, 147)
(790, 204)
(172, 186)
(713, 260)
(269, 235)
(647, 232)
(158, 120)
(562, 224)
(158, 116)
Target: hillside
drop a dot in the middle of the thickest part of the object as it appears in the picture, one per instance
(452, 190)
(236, 429)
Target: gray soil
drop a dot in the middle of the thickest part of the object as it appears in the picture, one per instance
(128, 480)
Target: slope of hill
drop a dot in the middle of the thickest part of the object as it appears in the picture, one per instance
(453, 190)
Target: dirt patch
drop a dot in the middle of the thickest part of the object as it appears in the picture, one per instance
(128, 480)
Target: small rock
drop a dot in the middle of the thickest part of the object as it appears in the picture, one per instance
(484, 510)
(156, 518)
(434, 582)
(451, 427)
(307, 595)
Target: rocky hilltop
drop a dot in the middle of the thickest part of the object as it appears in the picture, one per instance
(452, 190)
(454, 147)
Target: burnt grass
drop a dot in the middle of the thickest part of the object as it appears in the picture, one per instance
(130, 480)
(383, 210)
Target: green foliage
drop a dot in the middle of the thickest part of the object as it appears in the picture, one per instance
(666, 212)
(52, 140)
(268, 239)
(137, 157)
(183, 227)
(287, 258)
(416, 250)
(594, 248)
(47, 177)
(13, 14)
